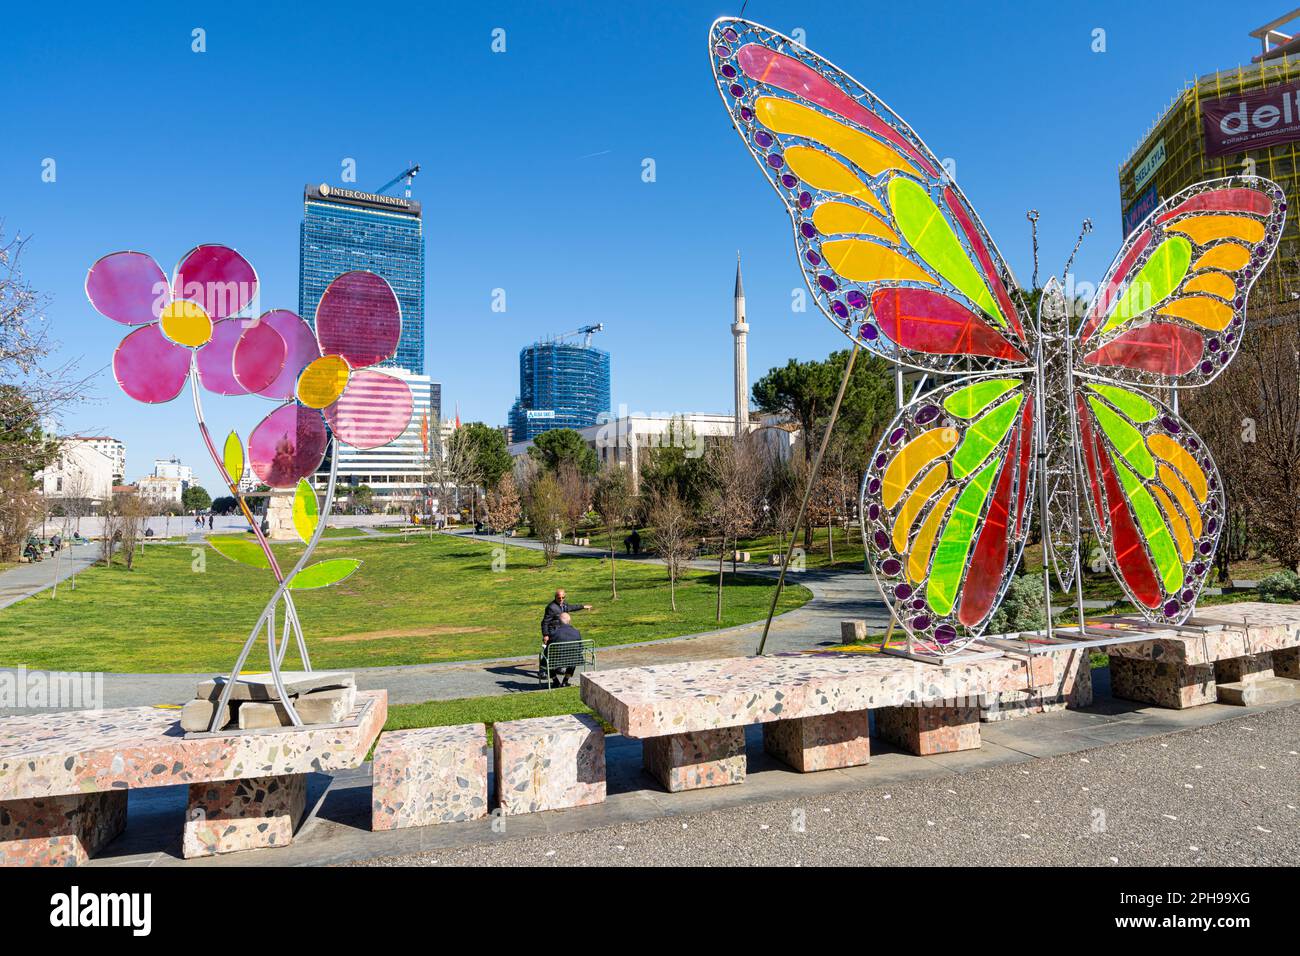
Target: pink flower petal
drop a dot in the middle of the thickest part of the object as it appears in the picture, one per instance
(359, 318)
(128, 287)
(149, 367)
(216, 360)
(216, 277)
(287, 445)
(374, 409)
(259, 356)
(300, 349)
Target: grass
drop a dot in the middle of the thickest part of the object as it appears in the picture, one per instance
(422, 600)
(488, 710)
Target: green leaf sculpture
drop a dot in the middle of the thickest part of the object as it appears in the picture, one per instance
(306, 511)
(241, 550)
(233, 458)
(324, 573)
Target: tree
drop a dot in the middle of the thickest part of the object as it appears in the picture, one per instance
(613, 501)
(487, 450)
(674, 536)
(503, 505)
(575, 496)
(195, 498)
(553, 448)
(545, 513)
(224, 505)
(363, 496)
(20, 505)
(675, 463)
(732, 502)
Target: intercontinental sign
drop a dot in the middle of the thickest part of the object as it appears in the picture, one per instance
(341, 195)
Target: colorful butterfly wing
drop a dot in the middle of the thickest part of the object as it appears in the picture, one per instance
(1172, 307)
(947, 503)
(1154, 497)
(892, 251)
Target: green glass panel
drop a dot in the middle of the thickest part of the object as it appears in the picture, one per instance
(954, 544)
(970, 401)
(983, 436)
(928, 232)
(1154, 281)
(305, 510)
(233, 458)
(1126, 439)
(241, 550)
(324, 573)
(1130, 403)
(1152, 523)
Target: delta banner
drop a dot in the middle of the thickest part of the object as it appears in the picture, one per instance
(1140, 208)
(1254, 120)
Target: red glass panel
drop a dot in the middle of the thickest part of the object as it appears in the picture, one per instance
(1026, 446)
(1101, 302)
(128, 287)
(1223, 200)
(988, 561)
(287, 445)
(375, 408)
(1089, 459)
(216, 277)
(149, 367)
(300, 349)
(931, 322)
(259, 356)
(793, 76)
(359, 318)
(1159, 347)
(985, 260)
(1126, 543)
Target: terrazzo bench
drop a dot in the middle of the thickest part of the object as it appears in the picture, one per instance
(64, 778)
(691, 717)
(428, 776)
(548, 763)
(1245, 654)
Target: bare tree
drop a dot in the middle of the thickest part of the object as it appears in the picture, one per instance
(732, 501)
(546, 514)
(575, 492)
(674, 535)
(503, 506)
(613, 501)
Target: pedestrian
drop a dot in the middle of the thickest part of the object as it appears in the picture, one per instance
(211, 521)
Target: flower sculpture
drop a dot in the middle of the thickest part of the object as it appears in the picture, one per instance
(194, 329)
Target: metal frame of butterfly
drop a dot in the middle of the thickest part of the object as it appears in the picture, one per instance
(1046, 407)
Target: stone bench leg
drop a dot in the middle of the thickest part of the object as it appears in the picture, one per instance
(826, 742)
(693, 761)
(228, 815)
(1250, 667)
(549, 763)
(429, 775)
(925, 729)
(1165, 684)
(1070, 687)
(1286, 663)
(64, 830)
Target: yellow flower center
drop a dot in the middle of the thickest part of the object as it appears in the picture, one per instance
(185, 323)
(321, 383)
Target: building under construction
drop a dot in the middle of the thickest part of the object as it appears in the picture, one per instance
(1239, 121)
(562, 384)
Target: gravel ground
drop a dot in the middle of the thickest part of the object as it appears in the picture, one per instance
(1226, 794)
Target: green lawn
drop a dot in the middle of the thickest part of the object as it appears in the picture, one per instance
(487, 710)
(417, 601)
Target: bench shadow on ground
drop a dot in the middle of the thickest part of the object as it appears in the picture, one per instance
(517, 677)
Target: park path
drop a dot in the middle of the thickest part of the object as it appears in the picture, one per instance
(26, 580)
(836, 595)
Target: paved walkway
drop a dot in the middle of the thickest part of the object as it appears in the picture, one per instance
(26, 580)
(837, 595)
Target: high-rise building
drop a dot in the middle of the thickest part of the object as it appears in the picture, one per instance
(111, 448)
(1239, 121)
(173, 469)
(561, 385)
(740, 363)
(342, 230)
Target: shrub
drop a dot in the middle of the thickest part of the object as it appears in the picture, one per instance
(1021, 608)
(1279, 587)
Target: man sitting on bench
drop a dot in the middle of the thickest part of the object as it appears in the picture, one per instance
(564, 633)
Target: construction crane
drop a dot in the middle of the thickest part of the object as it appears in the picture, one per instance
(407, 174)
(586, 330)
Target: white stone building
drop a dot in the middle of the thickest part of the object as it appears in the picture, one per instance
(80, 473)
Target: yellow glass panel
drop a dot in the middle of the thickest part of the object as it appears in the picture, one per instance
(1175, 484)
(1215, 283)
(1230, 257)
(185, 323)
(1203, 229)
(836, 217)
(919, 560)
(322, 382)
(932, 482)
(864, 261)
(1182, 538)
(822, 172)
(911, 458)
(1201, 310)
(795, 119)
(1165, 447)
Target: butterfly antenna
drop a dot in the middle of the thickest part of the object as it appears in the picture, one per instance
(1032, 216)
(742, 8)
(1087, 228)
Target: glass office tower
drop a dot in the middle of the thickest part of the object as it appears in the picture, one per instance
(560, 386)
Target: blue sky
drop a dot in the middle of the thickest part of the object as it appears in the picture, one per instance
(532, 163)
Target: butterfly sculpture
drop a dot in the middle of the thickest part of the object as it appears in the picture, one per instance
(897, 258)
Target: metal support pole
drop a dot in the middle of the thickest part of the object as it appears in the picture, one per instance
(807, 493)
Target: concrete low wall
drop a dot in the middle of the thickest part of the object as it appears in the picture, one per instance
(184, 524)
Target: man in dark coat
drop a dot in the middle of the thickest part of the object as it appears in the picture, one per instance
(551, 616)
(564, 633)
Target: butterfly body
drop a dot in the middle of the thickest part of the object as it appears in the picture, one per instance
(1052, 410)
